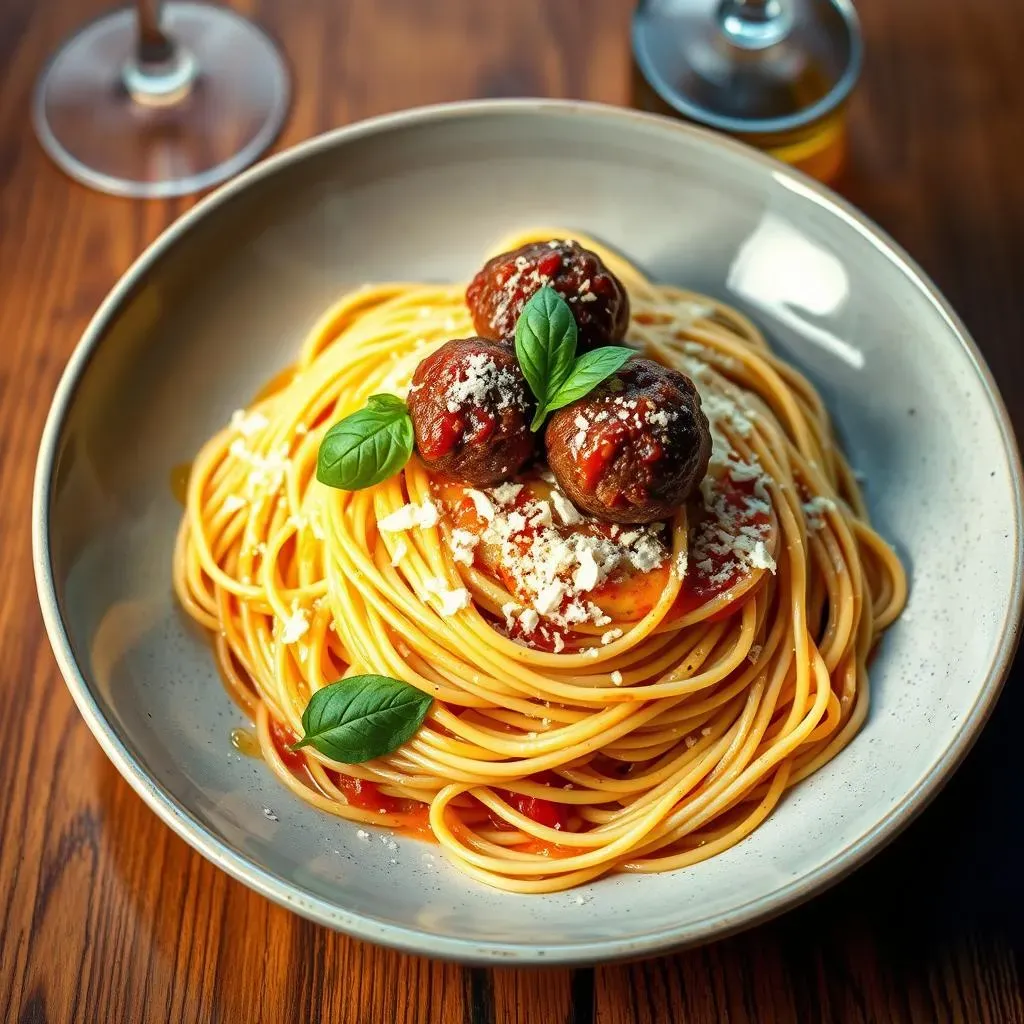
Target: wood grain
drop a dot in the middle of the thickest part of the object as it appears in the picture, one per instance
(106, 916)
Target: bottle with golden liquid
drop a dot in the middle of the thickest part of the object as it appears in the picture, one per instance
(773, 73)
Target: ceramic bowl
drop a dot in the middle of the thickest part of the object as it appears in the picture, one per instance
(220, 302)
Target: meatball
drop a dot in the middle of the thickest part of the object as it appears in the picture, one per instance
(471, 410)
(498, 293)
(635, 448)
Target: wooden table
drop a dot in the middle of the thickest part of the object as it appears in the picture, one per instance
(105, 915)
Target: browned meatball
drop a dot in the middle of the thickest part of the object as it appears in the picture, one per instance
(471, 410)
(599, 303)
(635, 448)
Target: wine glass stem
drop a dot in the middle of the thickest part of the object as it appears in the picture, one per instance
(754, 24)
(162, 72)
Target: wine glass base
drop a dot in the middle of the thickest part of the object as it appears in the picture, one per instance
(221, 108)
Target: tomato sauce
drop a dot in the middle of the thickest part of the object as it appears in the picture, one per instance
(625, 596)
(283, 739)
(367, 796)
(716, 574)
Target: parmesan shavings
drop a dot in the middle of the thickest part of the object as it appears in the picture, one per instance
(463, 545)
(483, 505)
(266, 472)
(451, 601)
(815, 510)
(408, 516)
(528, 620)
(248, 423)
(295, 626)
(505, 494)
(554, 567)
(729, 540)
(565, 509)
(484, 383)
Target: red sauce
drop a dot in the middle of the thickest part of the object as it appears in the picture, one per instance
(702, 585)
(282, 737)
(604, 442)
(417, 821)
(544, 812)
(543, 636)
(442, 439)
(366, 795)
(483, 426)
(603, 285)
(550, 264)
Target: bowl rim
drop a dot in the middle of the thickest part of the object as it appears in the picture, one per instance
(414, 940)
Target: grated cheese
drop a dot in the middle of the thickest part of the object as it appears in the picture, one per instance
(505, 494)
(266, 472)
(233, 502)
(553, 571)
(295, 626)
(587, 574)
(610, 637)
(463, 546)
(550, 597)
(483, 505)
(484, 383)
(541, 516)
(528, 620)
(451, 601)
(565, 509)
(401, 550)
(248, 423)
(408, 516)
(815, 509)
(617, 677)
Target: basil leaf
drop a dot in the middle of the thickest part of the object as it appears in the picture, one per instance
(588, 371)
(357, 719)
(367, 447)
(384, 403)
(545, 346)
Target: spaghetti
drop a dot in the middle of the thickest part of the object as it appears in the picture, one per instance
(654, 734)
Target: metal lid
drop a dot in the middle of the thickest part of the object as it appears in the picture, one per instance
(749, 66)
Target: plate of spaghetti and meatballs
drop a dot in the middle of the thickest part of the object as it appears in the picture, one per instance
(583, 588)
(567, 583)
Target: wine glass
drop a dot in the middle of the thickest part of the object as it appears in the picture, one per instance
(161, 99)
(774, 73)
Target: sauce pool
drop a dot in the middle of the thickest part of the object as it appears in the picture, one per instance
(179, 476)
(246, 743)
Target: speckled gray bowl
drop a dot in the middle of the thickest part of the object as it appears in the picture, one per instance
(222, 300)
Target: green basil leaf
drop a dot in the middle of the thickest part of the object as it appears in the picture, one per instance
(545, 346)
(357, 719)
(367, 447)
(588, 371)
(385, 403)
